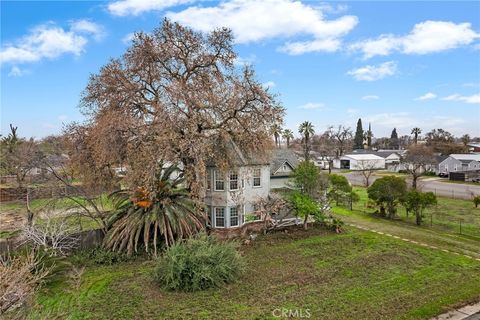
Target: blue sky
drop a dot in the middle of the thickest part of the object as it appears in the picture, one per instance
(394, 64)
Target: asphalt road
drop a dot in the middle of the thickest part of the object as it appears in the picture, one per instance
(432, 184)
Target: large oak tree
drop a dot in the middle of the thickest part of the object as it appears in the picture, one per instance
(176, 95)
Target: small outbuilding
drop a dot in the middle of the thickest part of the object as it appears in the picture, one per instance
(364, 161)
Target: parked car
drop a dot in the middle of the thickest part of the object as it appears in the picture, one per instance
(443, 174)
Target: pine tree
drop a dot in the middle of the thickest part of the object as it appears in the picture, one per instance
(394, 139)
(358, 140)
(369, 136)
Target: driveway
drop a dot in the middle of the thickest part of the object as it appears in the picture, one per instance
(439, 186)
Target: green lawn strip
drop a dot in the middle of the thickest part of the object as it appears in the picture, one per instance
(442, 240)
(446, 215)
(355, 275)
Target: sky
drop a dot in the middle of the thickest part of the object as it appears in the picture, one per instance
(394, 64)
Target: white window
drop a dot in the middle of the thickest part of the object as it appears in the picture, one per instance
(219, 182)
(257, 177)
(456, 167)
(219, 217)
(234, 217)
(233, 181)
(285, 168)
(209, 179)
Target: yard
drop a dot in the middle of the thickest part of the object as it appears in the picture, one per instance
(441, 225)
(354, 275)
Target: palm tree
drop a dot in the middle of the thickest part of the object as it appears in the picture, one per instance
(287, 135)
(416, 132)
(307, 131)
(277, 131)
(165, 213)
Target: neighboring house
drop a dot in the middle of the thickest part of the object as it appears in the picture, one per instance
(232, 195)
(359, 161)
(283, 162)
(392, 159)
(474, 147)
(460, 162)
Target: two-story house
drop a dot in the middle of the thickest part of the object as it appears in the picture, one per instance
(231, 196)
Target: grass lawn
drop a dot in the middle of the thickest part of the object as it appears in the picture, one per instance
(447, 215)
(444, 232)
(354, 275)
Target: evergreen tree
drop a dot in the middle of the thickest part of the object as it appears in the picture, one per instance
(369, 136)
(358, 140)
(394, 139)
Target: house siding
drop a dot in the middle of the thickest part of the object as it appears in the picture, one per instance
(244, 198)
(452, 165)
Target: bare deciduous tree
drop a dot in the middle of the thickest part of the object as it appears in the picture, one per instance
(52, 233)
(20, 277)
(366, 169)
(418, 159)
(342, 139)
(174, 95)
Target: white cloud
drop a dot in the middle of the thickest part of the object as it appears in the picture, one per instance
(243, 61)
(352, 111)
(392, 120)
(426, 96)
(127, 39)
(46, 41)
(269, 84)
(405, 121)
(471, 84)
(17, 72)
(301, 47)
(87, 26)
(312, 105)
(473, 99)
(136, 7)
(374, 72)
(253, 21)
(370, 97)
(62, 117)
(425, 37)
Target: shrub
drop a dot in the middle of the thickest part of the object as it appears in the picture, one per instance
(99, 255)
(20, 278)
(476, 201)
(430, 174)
(198, 264)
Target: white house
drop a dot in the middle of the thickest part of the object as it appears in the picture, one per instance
(460, 162)
(232, 195)
(361, 161)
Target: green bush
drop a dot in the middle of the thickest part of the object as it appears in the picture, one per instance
(100, 256)
(198, 264)
(476, 201)
(430, 174)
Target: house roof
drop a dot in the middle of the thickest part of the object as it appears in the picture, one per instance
(238, 157)
(386, 154)
(380, 153)
(363, 156)
(439, 159)
(469, 156)
(279, 157)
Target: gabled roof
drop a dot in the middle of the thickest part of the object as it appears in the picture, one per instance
(363, 156)
(238, 157)
(466, 156)
(280, 157)
(386, 154)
